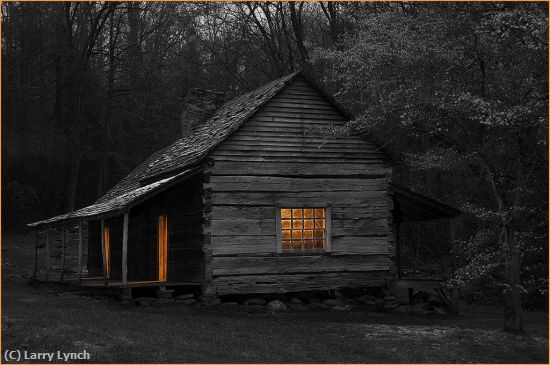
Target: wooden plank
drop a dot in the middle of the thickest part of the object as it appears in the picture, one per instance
(231, 245)
(364, 245)
(286, 147)
(278, 229)
(289, 94)
(264, 245)
(262, 120)
(294, 98)
(80, 251)
(125, 249)
(381, 223)
(242, 212)
(285, 184)
(301, 111)
(358, 212)
(62, 254)
(359, 231)
(296, 140)
(223, 266)
(307, 153)
(35, 261)
(270, 113)
(328, 228)
(357, 198)
(297, 169)
(268, 212)
(243, 227)
(298, 129)
(105, 279)
(298, 282)
(324, 160)
(300, 104)
(48, 263)
(295, 135)
(305, 104)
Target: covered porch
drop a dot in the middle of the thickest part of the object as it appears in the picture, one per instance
(102, 246)
(424, 230)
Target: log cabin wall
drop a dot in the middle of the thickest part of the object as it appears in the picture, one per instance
(279, 157)
(183, 206)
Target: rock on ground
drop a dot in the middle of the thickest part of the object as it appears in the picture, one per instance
(276, 306)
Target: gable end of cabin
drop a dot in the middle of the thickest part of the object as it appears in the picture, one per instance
(291, 204)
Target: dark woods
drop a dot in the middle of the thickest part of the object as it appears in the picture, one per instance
(458, 92)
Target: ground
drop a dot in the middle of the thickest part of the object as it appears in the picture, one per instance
(44, 319)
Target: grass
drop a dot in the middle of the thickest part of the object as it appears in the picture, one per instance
(43, 319)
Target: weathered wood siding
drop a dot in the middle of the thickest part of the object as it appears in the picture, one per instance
(183, 206)
(283, 156)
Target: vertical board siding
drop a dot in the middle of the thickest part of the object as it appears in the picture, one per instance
(291, 153)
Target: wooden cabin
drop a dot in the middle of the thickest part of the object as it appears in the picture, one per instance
(269, 194)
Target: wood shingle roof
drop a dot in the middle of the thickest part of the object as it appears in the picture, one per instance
(167, 164)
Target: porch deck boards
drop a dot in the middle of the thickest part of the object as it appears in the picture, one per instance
(97, 282)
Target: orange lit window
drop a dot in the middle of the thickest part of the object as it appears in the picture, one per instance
(303, 230)
(162, 246)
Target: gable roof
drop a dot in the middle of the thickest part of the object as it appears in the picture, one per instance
(192, 148)
(163, 165)
(177, 161)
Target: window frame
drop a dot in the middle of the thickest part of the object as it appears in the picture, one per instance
(298, 205)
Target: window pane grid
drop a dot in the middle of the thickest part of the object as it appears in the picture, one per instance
(303, 229)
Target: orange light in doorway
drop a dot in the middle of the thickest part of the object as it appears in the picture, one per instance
(162, 244)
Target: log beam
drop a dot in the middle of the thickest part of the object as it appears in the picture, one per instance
(48, 263)
(80, 250)
(103, 253)
(35, 262)
(62, 253)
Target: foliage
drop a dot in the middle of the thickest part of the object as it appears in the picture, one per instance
(462, 93)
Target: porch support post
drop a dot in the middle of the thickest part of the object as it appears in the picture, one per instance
(80, 243)
(105, 280)
(125, 249)
(35, 262)
(48, 237)
(452, 237)
(62, 253)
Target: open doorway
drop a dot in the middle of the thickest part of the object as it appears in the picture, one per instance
(162, 247)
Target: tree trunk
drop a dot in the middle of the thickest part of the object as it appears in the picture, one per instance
(105, 125)
(513, 312)
(296, 20)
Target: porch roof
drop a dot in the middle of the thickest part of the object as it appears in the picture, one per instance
(413, 206)
(118, 204)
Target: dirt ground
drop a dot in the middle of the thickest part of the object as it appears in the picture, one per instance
(45, 319)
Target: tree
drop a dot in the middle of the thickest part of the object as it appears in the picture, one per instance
(470, 85)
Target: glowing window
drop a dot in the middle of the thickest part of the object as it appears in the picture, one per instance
(303, 230)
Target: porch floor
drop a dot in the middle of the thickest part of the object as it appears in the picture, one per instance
(98, 282)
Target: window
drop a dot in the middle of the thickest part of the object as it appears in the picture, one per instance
(303, 230)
